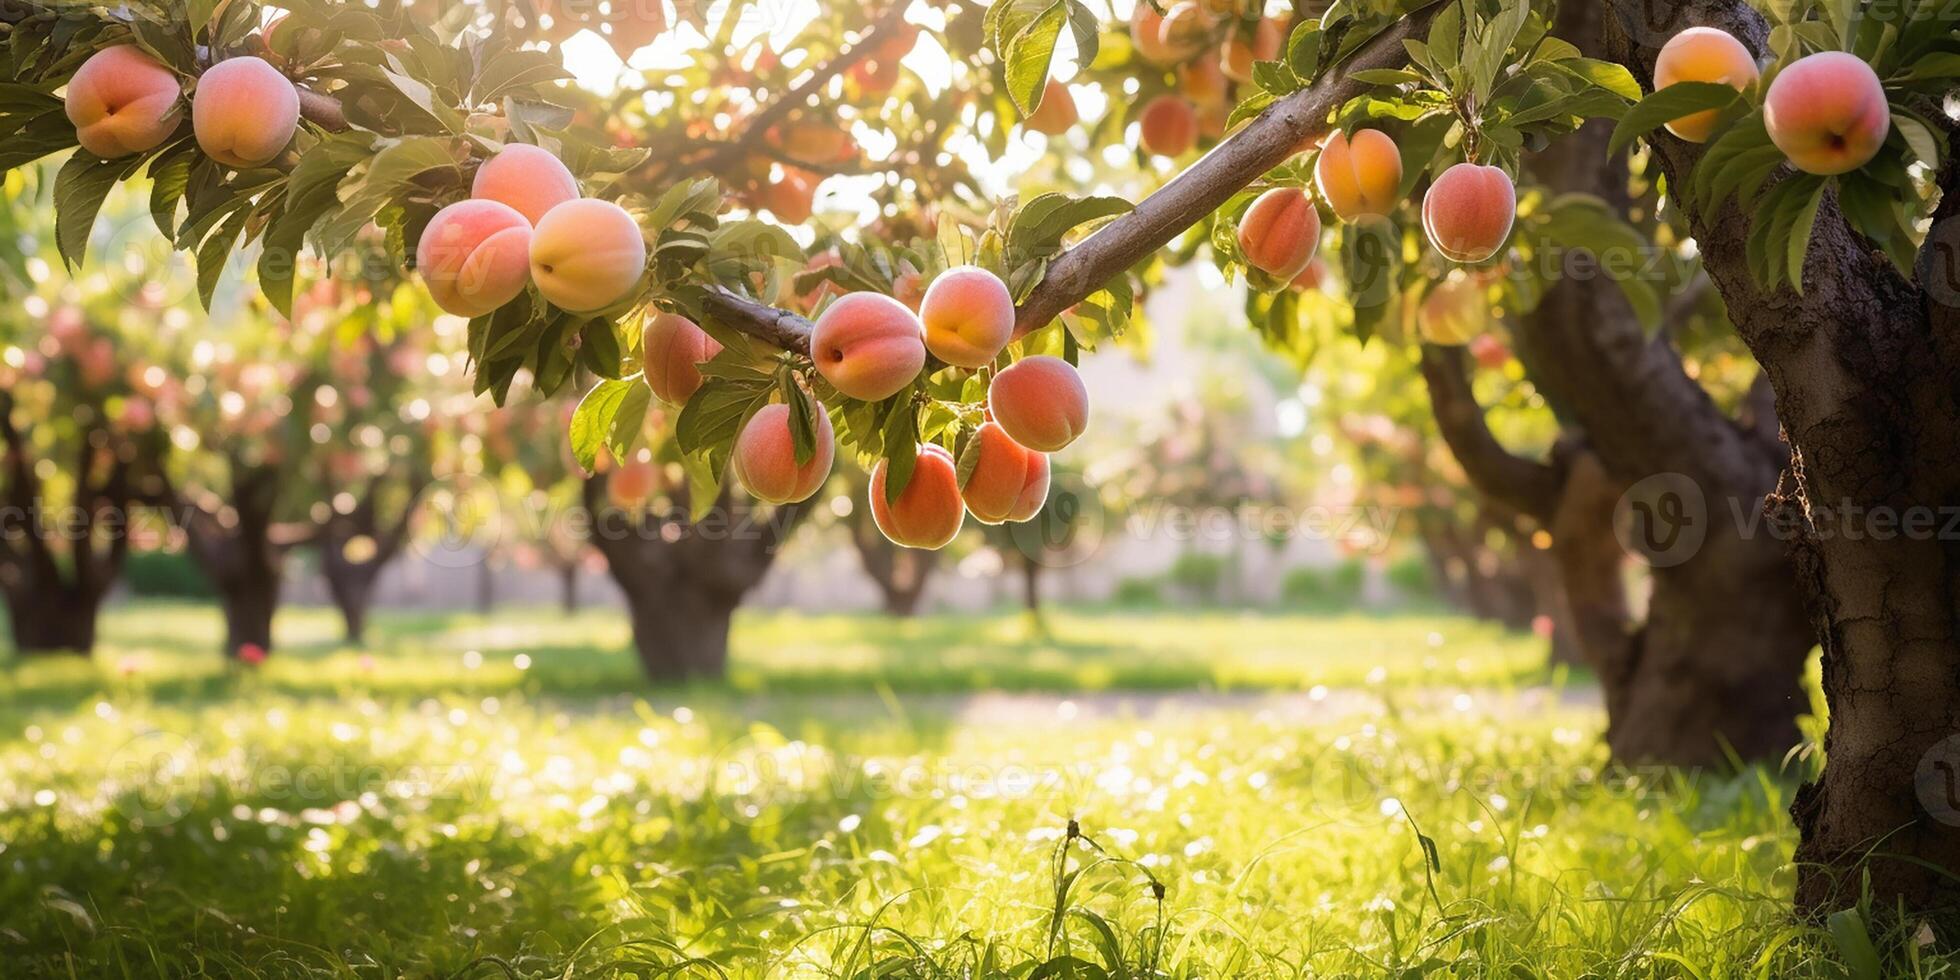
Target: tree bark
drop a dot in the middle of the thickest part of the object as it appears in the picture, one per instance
(683, 579)
(1863, 365)
(901, 574)
(52, 620)
(351, 569)
(234, 544)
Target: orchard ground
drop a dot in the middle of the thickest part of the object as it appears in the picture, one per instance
(866, 790)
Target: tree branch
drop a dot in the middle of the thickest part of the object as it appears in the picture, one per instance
(1521, 484)
(322, 110)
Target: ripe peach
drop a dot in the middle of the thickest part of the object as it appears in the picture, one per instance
(1827, 113)
(1202, 82)
(632, 483)
(792, 197)
(928, 512)
(1468, 212)
(1359, 175)
(671, 350)
(1186, 28)
(1280, 232)
(868, 346)
(1454, 311)
(1056, 114)
(1237, 55)
(1489, 351)
(475, 256)
(815, 142)
(587, 255)
(765, 455)
(1169, 125)
(1041, 403)
(123, 101)
(244, 112)
(825, 288)
(527, 178)
(1000, 472)
(1703, 54)
(909, 287)
(1313, 276)
(634, 24)
(1034, 490)
(1147, 35)
(968, 315)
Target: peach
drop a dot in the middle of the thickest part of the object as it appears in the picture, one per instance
(1280, 232)
(928, 512)
(815, 142)
(526, 177)
(765, 455)
(244, 112)
(634, 24)
(1489, 351)
(1000, 473)
(1169, 126)
(123, 101)
(868, 346)
(1034, 489)
(587, 255)
(1827, 113)
(1468, 212)
(1453, 312)
(1185, 30)
(792, 198)
(1040, 402)
(671, 352)
(1703, 54)
(909, 287)
(1314, 276)
(1202, 82)
(1147, 35)
(1056, 114)
(968, 316)
(1359, 175)
(1238, 54)
(475, 256)
(629, 486)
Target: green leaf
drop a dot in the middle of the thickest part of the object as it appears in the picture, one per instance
(592, 421)
(1303, 51)
(1607, 75)
(1042, 223)
(901, 442)
(1445, 42)
(170, 175)
(216, 251)
(599, 348)
(1854, 943)
(1028, 54)
(1800, 232)
(1668, 104)
(79, 190)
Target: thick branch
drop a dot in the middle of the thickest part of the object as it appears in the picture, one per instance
(1520, 484)
(322, 110)
(1266, 142)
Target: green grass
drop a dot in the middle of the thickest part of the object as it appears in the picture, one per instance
(419, 817)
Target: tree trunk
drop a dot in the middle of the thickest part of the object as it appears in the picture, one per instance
(52, 621)
(1863, 364)
(901, 574)
(681, 633)
(486, 586)
(352, 587)
(248, 606)
(1031, 584)
(683, 579)
(568, 587)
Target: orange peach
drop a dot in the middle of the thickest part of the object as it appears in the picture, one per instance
(1169, 126)
(1359, 175)
(123, 101)
(1185, 30)
(475, 256)
(1056, 114)
(928, 512)
(792, 197)
(1238, 54)
(1313, 276)
(765, 455)
(1034, 490)
(1000, 473)
(1040, 402)
(1280, 232)
(869, 347)
(244, 112)
(587, 255)
(632, 483)
(671, 352)
(815, 142)
(968, 315)
(1703, 54)
(1489, 351)
(1453, 312)
(1468, 212)
(1201, 81)
(909, 287)
(1827, 113)
(526, 177)
(1147, 35)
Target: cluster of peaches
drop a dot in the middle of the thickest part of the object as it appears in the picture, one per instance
(523, 223)
(1184, 36)
(870, 347)
(1827, 112)
(122, 101)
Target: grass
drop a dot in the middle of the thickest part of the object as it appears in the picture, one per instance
(836, 814)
